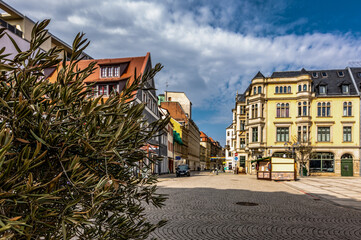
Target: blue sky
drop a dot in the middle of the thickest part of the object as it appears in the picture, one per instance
(209, 48)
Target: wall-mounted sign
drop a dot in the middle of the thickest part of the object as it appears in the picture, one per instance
(235, 158)
(178, 158)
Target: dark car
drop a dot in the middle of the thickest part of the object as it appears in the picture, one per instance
(182, 170)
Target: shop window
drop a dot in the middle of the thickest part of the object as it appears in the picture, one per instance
(322, 162)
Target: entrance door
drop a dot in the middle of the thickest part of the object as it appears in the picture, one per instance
(346, 167)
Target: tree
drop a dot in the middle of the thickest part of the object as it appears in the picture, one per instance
(69, 165)
(301, 150)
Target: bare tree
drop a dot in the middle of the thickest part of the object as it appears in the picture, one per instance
(301, 150)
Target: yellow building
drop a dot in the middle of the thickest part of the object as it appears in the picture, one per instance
(313, 116)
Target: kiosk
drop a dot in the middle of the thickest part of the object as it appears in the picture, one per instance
(276, 168)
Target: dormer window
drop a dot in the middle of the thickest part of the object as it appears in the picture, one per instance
(109, 71)
(340, 74)
(322, 90)
(315, 74)
(345, 89)
(324, 74)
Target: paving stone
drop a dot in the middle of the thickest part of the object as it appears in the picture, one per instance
(203, 206)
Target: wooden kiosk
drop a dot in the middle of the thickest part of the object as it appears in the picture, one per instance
(276, 168)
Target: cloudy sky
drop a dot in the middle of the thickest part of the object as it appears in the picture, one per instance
(211, 48)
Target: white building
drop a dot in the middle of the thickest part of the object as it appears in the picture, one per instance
(230, 158)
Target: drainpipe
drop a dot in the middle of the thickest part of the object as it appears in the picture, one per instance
(358, 92)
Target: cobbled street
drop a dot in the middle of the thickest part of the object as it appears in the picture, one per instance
(203, 206)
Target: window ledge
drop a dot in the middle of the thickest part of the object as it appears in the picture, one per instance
(283, 93)
(323, 142)
(348, 116)
(347, 142)
(283, 117)
(324, 116)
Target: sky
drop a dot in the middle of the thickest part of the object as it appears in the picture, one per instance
(211, 49)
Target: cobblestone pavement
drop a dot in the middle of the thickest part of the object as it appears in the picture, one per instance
(344, 191)
(203, 206)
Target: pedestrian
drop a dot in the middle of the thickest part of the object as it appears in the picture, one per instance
(216, 171)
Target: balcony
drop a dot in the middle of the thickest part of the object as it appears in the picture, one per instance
(304, 94)
(255, 121)
(303, 119)
(256, 145)
(256, 97)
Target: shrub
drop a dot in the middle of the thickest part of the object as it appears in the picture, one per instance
(70, 165)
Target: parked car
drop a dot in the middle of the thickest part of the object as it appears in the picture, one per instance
(183, 170)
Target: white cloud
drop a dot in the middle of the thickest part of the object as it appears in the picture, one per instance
(202, 57)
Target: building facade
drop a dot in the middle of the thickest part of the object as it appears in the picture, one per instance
(288, 112)
(21, 27)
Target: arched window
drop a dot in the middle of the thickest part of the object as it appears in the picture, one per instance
(253, 111)
(278, 110)
(285, 89)
(304, 108)
(281, 89)
(254, 90)
(328, 109)
(322, 162)
(289, 89)
(346, 156)
(299, 88)
(304, 87)
(319, 109)
(276, 89)
(299, 109)
(323, 109)
(259, 89)
(347, 108)
(287, 110)
(282, 110)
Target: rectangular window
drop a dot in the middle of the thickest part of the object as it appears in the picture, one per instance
(282, 134)
(116, 71)
(347, 134)
(243, 142)
(322, 90)
(304, 133)
(255, 134)
(299, 134)
(103, 90)
(323, 134)
(103, 72)
(243, 123)
(345, 89)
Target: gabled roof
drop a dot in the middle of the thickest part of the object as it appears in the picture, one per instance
(175, 110)
(128, 66)
(258, 75)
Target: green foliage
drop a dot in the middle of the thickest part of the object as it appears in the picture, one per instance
(71, 166)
